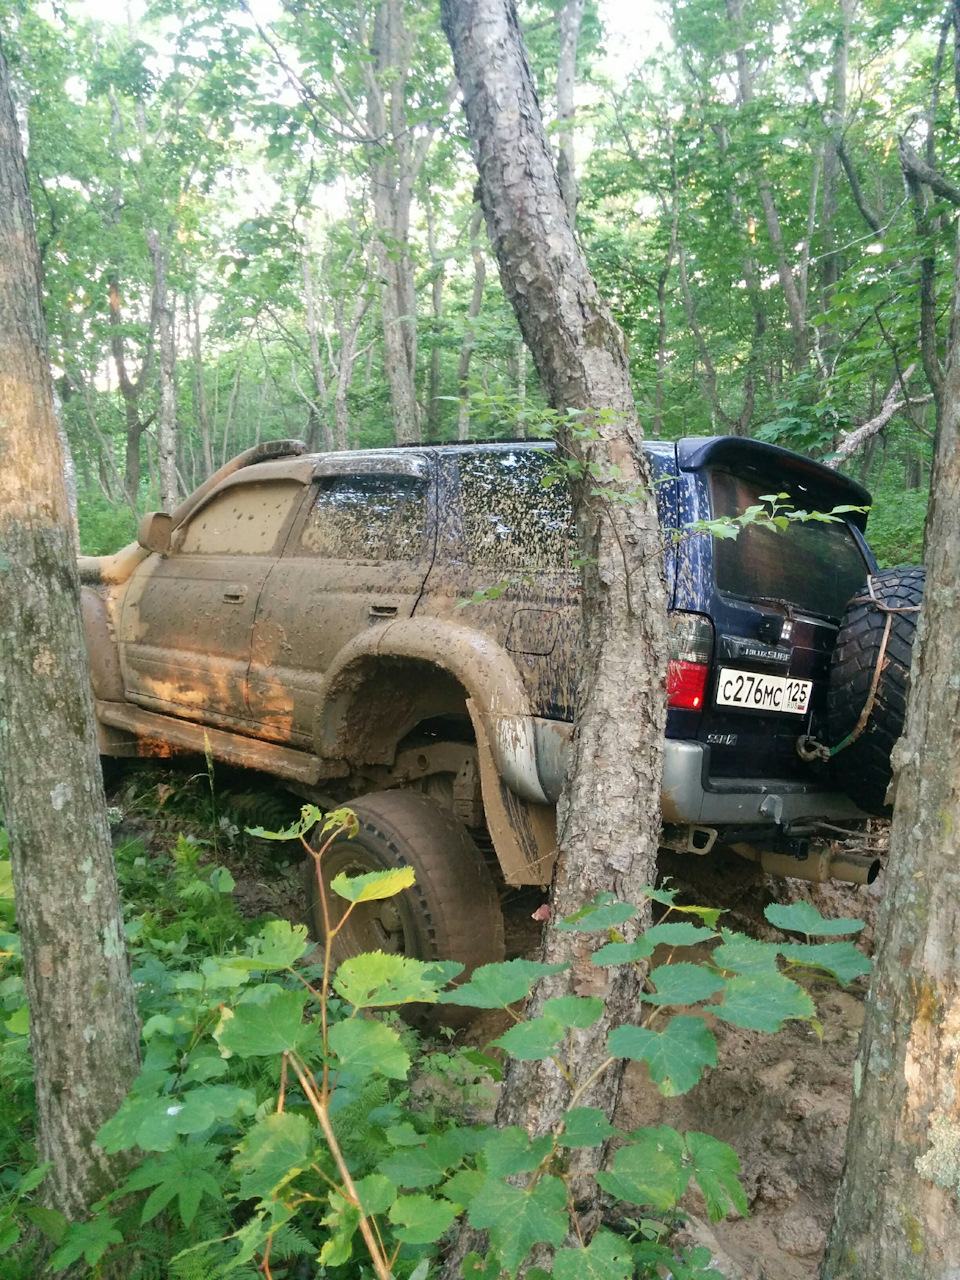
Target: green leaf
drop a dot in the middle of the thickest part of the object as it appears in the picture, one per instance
(421, 1219)
(87, 1240)
(579, 1012)
(425, 1166)
(803, 917)
(650, 1171)
(474, 1267)
(682, 984)
(585, 1127)
(153, 1123)
(842, 959)
(50, 1221)
(740, 954)
(517, 1219)
(275, 1150)
(494, 986)
(606, 1257)
(680, 934)
(10, 1230)
(533, 1040)
(676, 1055)
(183, 1174)
(763, 1001)
(623, 952)
(278, 945)
(510, 1151)
(369, 1047)
(463, 1186)
(262, 1030)
(373, 885)
(715, 1167)
(376, 1193)
(377, 979)
(599, 915)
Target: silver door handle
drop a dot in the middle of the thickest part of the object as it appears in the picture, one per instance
(234, 594)
(383, 611)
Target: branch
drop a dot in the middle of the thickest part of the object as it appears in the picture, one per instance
(854, 440)
(869, 216)
(917, 169)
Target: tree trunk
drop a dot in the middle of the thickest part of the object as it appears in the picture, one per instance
(569, 19)
(469, 337)
(313, 337)
(436, 298)
(609, 814)
(897, 1211)
(201, 394)
(83, 1021)
(167, 416)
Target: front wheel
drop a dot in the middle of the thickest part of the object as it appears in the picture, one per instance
(452, 911)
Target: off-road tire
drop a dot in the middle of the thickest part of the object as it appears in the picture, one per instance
(862, 769)
(451, 913)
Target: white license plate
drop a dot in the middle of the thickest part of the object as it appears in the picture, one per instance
(763, 693)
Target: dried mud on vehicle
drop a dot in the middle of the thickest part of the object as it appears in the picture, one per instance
(303, 615)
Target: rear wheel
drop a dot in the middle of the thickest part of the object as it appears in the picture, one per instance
(452, 912)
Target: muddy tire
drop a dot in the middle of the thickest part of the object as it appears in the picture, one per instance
(862, 769)
(451, 913)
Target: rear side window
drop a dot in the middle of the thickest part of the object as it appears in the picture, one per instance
(511, 519)
(246, 520)
(816, 567)
(366, 518)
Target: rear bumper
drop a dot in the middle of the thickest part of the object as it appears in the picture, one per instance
(690, 795)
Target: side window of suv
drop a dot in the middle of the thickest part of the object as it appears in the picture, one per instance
(366, 518)
(245, 520)
(511, 519)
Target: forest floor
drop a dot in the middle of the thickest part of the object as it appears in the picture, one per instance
(782, 1102)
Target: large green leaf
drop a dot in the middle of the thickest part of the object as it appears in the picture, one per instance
(606, 1257)
(369, 1047)
(518, 1218)
(803, 917)
(494, 986)
(578, 1012)
(678, 934)
(623, 952)
(426, 1165)
(676, 1055)
(185, 1174)
(377, 979)
(153, 1123)
(87, 1240)
(421, 1219)
(262, 1030)
(275, 1150)
(510, 1151)
(536, 1039)
(605, 912)
(650, 1171)
(715, 1167)
(763, 1001)
(738, 953)
(585, 1127)
(374, 884)
(278, 945)
(682, 984)
(842, 959)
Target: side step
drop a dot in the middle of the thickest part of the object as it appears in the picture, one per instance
(157, 731)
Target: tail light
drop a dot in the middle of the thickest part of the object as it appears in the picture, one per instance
(690, 638)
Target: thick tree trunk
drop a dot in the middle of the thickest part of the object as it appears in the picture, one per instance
(167, 415)
(609, 815)
(897, 1211)
(569, 18)
(83, 1023)
(469, 336)
(313, 337)
(436, 298)
(201, 394)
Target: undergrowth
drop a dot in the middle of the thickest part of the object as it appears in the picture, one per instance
(276, 1126)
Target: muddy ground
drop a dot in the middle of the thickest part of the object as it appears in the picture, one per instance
(781, 1101)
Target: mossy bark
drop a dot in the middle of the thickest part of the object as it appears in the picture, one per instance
(84, 1031)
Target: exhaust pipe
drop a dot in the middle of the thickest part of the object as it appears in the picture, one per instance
(819, 865)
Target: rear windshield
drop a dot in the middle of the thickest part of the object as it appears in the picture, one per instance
(816, 567)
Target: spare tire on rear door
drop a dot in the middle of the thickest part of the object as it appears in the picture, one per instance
(869, 676)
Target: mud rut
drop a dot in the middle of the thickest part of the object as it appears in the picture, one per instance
(782, 1102)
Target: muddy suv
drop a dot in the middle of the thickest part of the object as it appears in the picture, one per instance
(301, 615)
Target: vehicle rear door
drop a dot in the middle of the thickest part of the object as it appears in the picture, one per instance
(186, 625)
(357, 556)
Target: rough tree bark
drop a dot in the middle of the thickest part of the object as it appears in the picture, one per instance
(569, 18)
(469, 336)
(83, 1025)
(897, 1211)
(609, 814)
(167, 414)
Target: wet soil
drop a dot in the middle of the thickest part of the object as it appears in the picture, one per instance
(782, 1102)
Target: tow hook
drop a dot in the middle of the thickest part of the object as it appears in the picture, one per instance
(809, 749)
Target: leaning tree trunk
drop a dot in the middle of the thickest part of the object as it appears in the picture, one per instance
(609, 814)
(897, 1211)
(167, 415)
(83, 1021)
